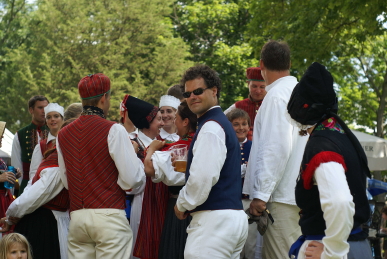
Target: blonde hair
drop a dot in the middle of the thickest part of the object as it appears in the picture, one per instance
(8, 240)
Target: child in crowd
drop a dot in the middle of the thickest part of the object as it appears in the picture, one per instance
(14, 246)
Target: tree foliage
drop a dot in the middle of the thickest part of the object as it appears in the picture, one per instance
(346, 36)
(132, 42)
(216, 33)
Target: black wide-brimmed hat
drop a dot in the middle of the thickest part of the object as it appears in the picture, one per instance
(313, 97)
(140, 112)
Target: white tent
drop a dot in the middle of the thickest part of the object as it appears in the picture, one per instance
(375, 149)
(6, 148)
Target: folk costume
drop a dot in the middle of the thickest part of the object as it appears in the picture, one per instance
(43, 209)
(212, 190)
(97, 164)
(44, 144)
(331, 188)
(249, 105)
(23, 146)
(174, 234)
(141, 114)
(6, 197)
(275, 159)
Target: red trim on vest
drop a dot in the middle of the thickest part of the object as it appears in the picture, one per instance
(320, 158)
(44, 146)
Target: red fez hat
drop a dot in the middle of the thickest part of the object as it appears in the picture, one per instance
(254, 74)
(93, 86)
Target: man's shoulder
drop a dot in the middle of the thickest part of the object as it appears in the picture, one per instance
(26, 128)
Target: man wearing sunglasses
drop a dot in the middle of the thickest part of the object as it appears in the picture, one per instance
(257, 92)
(213, 177)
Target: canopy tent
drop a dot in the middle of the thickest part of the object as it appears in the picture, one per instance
(375, 149)
(6, 147)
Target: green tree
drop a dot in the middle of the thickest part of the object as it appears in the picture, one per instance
(215, 31)
(342, 35)
(132, 42)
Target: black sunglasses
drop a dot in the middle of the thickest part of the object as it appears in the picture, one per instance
(198, 91)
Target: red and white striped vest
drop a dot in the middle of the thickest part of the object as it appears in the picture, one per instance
(251, 108)
(91, 172)
(61, 202)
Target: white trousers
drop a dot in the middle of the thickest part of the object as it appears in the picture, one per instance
(280, 236)
(99, 233)
(216, 234)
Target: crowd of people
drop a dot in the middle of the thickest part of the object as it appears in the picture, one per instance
(94, 188)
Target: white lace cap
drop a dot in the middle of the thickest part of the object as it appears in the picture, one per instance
(169, 100)
(297, 124)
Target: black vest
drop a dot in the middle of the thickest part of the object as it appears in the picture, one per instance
(312, 221)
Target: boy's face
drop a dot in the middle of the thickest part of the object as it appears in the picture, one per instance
(241, 127)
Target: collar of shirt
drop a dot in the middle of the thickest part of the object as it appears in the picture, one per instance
(133, 134)
(144, 138)
(165, 135)
(279, 81)
(244, 141)
(50, 137)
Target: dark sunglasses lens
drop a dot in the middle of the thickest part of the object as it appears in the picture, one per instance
(186, 94)
(198, 91)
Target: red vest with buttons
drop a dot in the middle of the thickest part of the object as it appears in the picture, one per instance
(91, 172)
(61, 202)
(251, 108)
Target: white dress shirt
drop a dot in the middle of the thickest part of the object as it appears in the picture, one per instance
(209, 154)
(42, 191)
(36, 159)
(167, 136)
(164, 171)
(16, 154)
(232, 107)
(277, 148)
(334, 193)
(130, 173)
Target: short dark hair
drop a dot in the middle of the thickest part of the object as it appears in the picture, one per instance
(238, 113)
(276, 55)
(184, 112)
(93, 101)
(32, 101)
(176, 91)
(211, 77)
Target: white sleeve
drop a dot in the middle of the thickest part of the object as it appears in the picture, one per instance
(338, 207)
(62, 166)
(139, 189)
(42, 191)
(267, 165)
(232, 107)
(16, 156)
(130, 173)
(36, 159)
(164, 171)
(209, 154)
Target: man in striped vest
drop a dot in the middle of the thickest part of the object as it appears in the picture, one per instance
(257, 92)
(97, 163)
